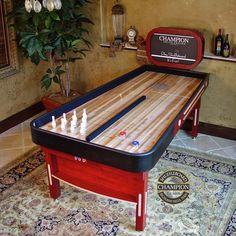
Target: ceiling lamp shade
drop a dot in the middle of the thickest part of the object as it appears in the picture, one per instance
(37, 6)
(118, 20)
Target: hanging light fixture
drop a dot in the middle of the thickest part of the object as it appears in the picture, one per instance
(118, 20)
(37, 6)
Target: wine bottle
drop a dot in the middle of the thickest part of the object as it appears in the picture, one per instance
(226, 47)
(218, 44)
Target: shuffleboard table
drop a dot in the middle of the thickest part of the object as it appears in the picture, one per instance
(130, 122)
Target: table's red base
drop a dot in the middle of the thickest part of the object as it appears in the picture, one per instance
(98, 178)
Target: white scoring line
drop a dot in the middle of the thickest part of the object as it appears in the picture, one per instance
(139, 204)
(49, 175)
(176, 35)
(177, 58)
(195, 99)
(195, 117)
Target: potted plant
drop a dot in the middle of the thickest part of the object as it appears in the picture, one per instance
(57, 36)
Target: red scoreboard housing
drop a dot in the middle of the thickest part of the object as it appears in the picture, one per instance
(174, 48)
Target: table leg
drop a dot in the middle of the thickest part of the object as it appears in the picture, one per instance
(54, 184)
(141, 208)
(195, 119)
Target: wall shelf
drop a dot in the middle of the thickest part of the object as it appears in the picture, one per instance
(207, 55)
(211, 56)
(108, 45)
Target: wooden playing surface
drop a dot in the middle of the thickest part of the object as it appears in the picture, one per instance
(165, 96)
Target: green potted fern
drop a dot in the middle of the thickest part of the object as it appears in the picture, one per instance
(58, 37)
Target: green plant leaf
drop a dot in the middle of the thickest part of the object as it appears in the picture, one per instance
(59, 71)
(36, 20)
(42, 56)
(46, 82)
(48, 48)
(87, 42)
(56, 79)
(25, 38)
(82, 30)
(54, 15)
(35, 58)
(75, 42)
(83, 18)
(49, 71)
(82, 51)
(31, 47)
(45, 31)
(48, 22)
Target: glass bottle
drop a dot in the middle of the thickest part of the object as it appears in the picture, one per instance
(226, 47)
(218, 44)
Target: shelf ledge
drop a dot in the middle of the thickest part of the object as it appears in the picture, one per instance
(207, 55)
(108, 45)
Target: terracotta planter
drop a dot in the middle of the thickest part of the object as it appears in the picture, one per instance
(55, 100)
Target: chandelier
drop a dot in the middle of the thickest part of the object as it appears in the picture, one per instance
(37, 6)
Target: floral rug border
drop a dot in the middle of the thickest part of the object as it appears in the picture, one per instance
(21, 170)
(36, 159)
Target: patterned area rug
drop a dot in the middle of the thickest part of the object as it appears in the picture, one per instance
(26, 209)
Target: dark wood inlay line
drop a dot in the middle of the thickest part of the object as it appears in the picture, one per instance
(100, 129)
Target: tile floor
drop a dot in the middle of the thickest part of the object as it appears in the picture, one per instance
(16, 142)
(211, 145)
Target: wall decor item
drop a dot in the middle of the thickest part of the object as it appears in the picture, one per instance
(4, 58)
(8, 58)
(103, 23)
(132, 33)
(118, 22)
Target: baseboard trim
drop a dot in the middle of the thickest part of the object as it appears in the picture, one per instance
(21, 116)
(214, 130)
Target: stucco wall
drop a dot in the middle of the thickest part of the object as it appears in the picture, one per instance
(21, 90)
(218, 103)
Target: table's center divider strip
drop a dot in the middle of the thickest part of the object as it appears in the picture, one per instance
(103, 127)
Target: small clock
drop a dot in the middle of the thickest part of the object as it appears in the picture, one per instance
(131, 33)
